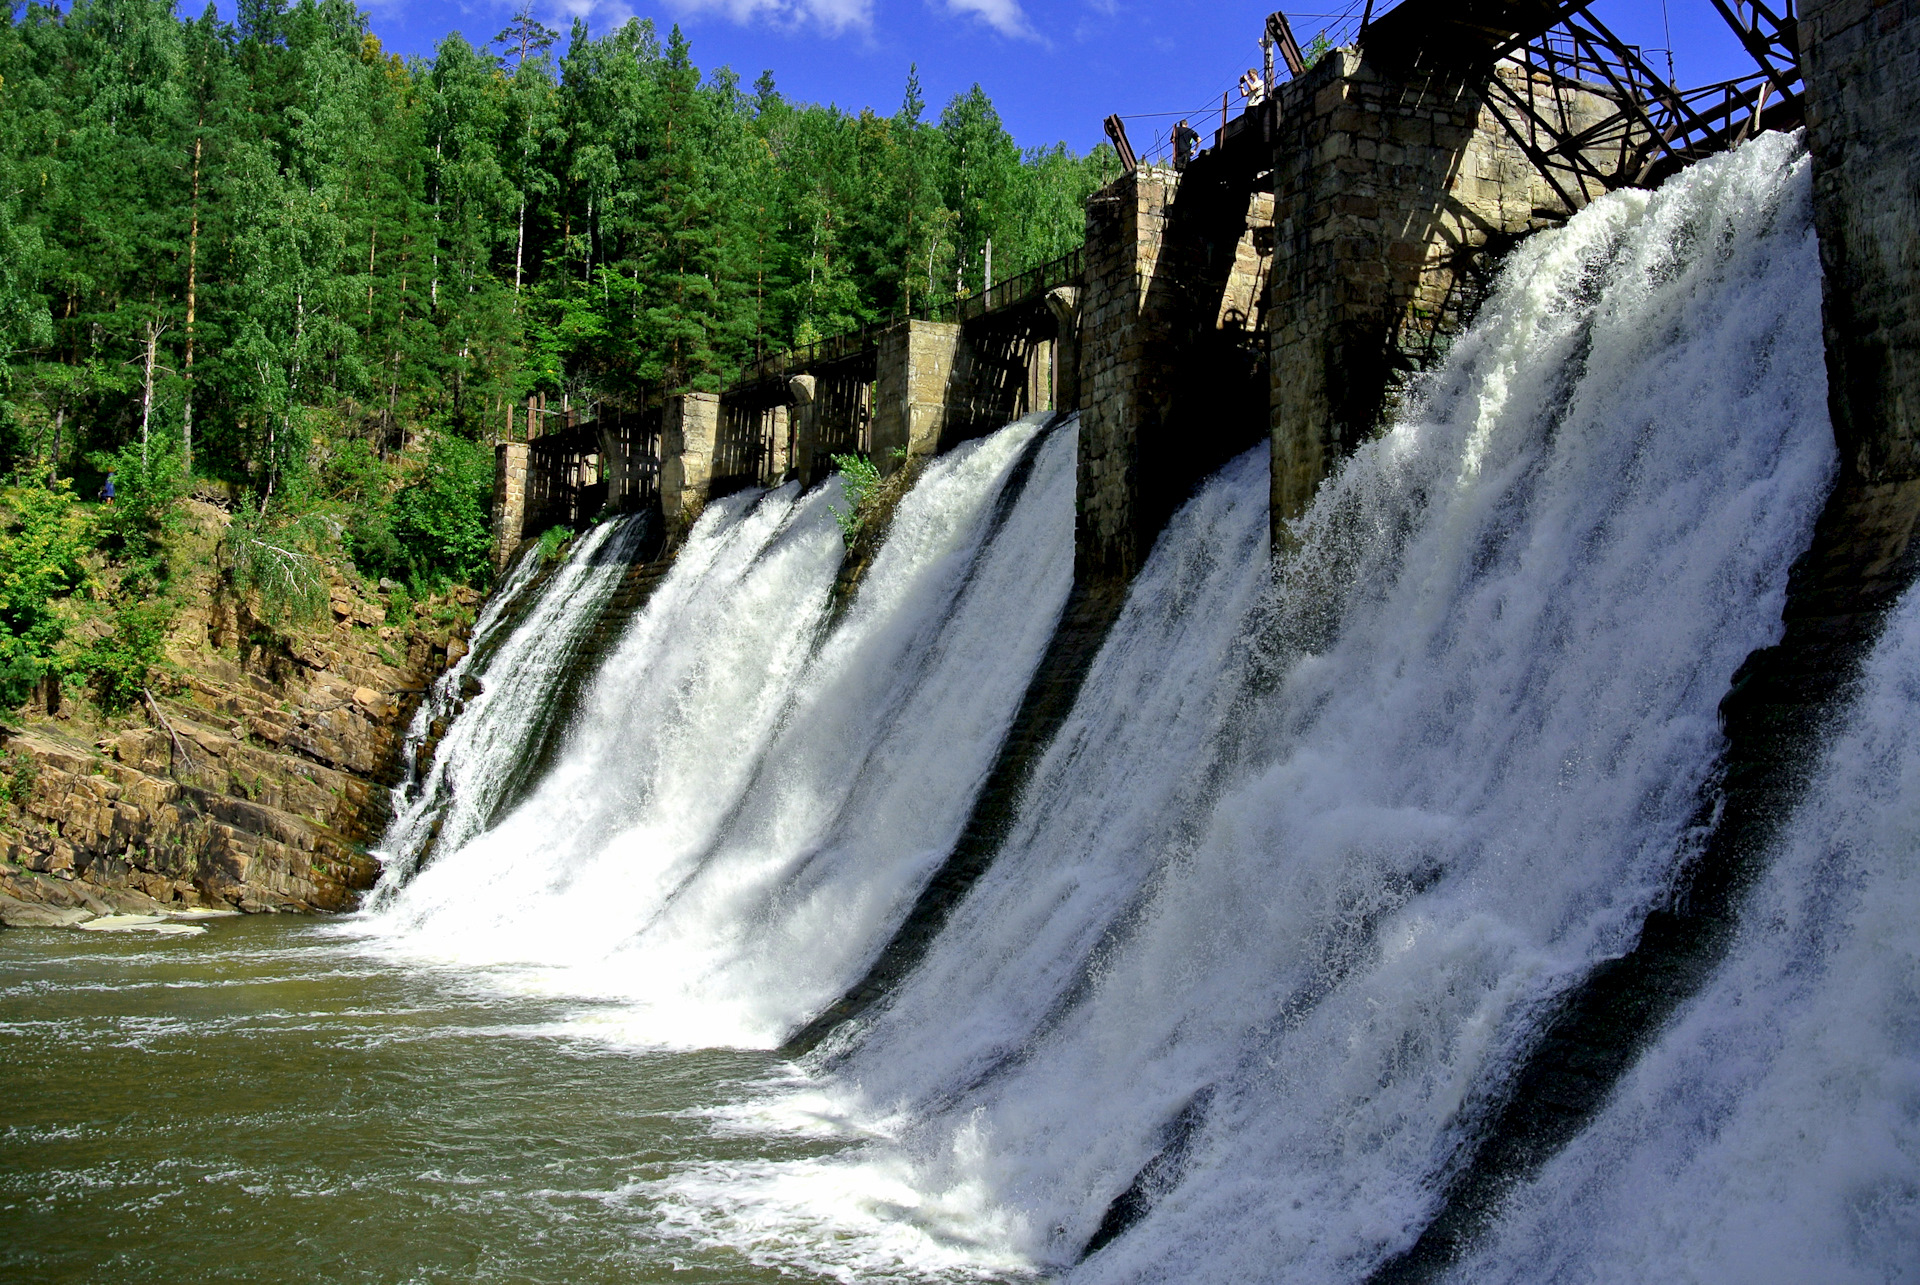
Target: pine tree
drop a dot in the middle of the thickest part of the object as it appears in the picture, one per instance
(981, 162)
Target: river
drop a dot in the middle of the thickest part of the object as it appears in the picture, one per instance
(271, 1102)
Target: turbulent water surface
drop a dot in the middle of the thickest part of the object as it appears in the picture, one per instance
(268, 1102)
(1284, 905)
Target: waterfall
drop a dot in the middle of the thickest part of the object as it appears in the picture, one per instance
(750, 799)
(517, 655)
(1294, 890)
(1773, 1132)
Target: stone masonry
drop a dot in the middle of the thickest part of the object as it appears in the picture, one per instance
(1172, 284)
(1122, 357)
(1388, 192)
(780, 463)
(1862, 64)
(1064, 303)
(805, 421)
(911, 404)
(509, 501)
(688, 433)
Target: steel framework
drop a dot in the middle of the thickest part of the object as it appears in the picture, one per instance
(1651, 128)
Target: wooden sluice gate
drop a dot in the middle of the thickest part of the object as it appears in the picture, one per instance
(756, 438)
(574, 472)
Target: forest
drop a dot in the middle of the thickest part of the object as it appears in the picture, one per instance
(269, 264)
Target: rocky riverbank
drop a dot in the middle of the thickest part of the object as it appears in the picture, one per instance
(252, 779)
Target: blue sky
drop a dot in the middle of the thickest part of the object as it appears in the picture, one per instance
(1055, 68)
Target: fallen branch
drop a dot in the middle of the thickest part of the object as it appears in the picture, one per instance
(179, 746)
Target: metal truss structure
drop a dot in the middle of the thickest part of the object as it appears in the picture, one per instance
(1649, 128)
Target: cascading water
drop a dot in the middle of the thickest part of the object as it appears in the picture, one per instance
(750, 802)
(518, 663)
(1773, 1132)
(1242, 981)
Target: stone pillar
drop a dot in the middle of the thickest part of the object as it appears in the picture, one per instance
(1861, 59)
(780, 463)
(1064, 303)
(688, 432)
(1171, 382)
(613, 460)
(509, 501)
(913, 405)
(1126, 355)
(806, 425)
(1391, 197)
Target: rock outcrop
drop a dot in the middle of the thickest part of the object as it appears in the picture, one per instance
(253, 779)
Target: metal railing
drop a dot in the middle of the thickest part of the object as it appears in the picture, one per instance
(1021, 288)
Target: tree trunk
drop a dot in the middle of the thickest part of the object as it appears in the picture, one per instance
(433, 290)
(146, 387)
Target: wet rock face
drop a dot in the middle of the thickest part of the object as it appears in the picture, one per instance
(253, 783)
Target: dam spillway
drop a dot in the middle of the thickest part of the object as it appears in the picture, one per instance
(1356, 729)
(1339, 839)
(1345, 925)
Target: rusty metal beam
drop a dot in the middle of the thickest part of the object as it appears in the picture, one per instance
(1654, 127)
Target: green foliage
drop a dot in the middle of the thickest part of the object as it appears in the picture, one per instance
(305, 223)
(18, 772)
(441, 519)
(399, 608)
(42, 535)
(859, 480)
(121, 664)
(553, 543)
(270, 253)
(280, 564)
(358, 484)
(148, 484)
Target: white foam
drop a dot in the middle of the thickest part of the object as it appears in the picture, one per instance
(1772, 1134)
(472, 767)
(750, 803)
(1408, 800)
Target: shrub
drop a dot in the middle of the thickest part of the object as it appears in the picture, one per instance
(553, 542)
(122, 663)
(859, 478)
(145, 509)
(399, 606)
(42, 533)
(18, 771)
(280, 562)
(441, 521)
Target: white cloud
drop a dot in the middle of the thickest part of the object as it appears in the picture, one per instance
(1004, 16)
(602, 15)
(834, 15)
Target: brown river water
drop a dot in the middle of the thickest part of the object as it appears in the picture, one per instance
(271, 1102)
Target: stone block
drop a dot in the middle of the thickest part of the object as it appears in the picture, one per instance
(689, 429)
(509, 500)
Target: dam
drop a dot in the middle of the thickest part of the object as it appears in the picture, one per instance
(1288, 292)
(1361, 730)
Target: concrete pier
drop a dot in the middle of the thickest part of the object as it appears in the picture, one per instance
(1170, 377)
(914, 406)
